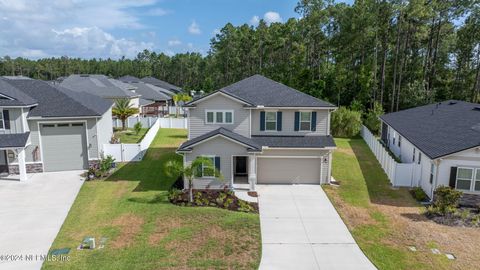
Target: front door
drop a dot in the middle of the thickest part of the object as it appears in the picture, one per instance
(241, 166)
(3, 162)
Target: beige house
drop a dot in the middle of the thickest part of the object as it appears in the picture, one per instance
(258, 131)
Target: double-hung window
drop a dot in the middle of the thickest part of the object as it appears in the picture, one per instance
(2, 122)
(468, 179)
(218, 117)
(208, 169)
(270, 121)
(305, 121)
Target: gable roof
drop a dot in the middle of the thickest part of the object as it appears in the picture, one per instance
(253, 146)
(258, 90)
(439, 129)
(51, 101)
(13, 97)
(99, 85)
(162, 84)
(146, 90)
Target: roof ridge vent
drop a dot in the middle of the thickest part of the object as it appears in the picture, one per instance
(452, 102)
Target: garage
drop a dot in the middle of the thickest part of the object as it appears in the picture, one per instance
(298, 170)
(64, 146)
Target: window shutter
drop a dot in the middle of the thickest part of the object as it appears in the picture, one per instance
(6, 119)
(217, 164)
(297, 121)
(453, 177)
(279, 121)
(262, 121)
(314, 122)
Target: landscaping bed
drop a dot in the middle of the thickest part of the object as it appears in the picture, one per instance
(225, 199)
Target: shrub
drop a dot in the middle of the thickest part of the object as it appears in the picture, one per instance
(419, 194)
(372, 120)
(137, 127)
(174, 195)
(106, 163)
(446, 199)
(346, 123)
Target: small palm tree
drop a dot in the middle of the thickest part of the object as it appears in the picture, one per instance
(180, 97)
(123, 109)
(176, 168)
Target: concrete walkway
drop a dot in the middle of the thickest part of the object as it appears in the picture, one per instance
(302, 230)
(31, 214)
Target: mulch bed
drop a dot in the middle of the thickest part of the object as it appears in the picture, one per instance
(225, 199)
(463, 217)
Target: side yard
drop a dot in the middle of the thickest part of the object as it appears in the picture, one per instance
(145, 231)
(385, 222)
(129, 135)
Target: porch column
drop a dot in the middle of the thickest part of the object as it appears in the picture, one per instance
(252, 171)
(21, 164)
(329, 175)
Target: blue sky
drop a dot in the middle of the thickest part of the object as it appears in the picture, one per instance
(105, 28)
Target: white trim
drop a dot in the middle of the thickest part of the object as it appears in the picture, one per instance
(7, 97)
(298, 148)
(214, 167)
(216, 93)
(224, 117)
(232, 174)
(261, 107)
(473, 180)
(210, 138)
(250, 124)
(303, 157)
(2, 120)
(17, 106)
(267, 121)
(300, 122)
(73, 118)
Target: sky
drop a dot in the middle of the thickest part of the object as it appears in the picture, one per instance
(114, 28)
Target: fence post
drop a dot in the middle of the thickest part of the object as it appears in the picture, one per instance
(170, 122)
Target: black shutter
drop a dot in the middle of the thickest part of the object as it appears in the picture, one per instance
(217, 165)
(453, 177)
(313, 126)
(6, 119)
(279, 121)
(297, 121)
(262, 121)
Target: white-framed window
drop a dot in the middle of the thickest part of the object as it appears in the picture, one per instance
(270, 121)
(468, 179)
(219, 117)
(2, 122)
(305, 121)
(208, 170)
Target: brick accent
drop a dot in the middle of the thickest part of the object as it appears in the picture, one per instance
(470, 200)
(31, 168)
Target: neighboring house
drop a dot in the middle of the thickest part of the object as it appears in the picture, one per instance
(102, 86)
(162, 84)
(443, 139)
(49, 128)
(154, 100)
(260, 131)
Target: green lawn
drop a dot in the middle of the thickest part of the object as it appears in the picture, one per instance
(145, 231)
(129, 135)
(380, 218)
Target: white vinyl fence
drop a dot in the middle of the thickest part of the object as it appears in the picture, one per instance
(125, 152)
(147, 122)
(399, 174)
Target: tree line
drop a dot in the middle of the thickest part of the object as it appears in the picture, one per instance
(396, 53)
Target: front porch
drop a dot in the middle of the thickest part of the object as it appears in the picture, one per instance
(244, 172)
(15, 145)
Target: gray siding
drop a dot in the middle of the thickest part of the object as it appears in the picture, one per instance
(15, 115)
(288, 123)
(218, 147)
(198, 126)
(104, 129)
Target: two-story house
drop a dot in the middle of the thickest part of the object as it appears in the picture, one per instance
(49, 128)
(260, 131)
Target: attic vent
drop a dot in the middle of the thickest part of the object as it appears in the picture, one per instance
(452, 103)
(476, 108)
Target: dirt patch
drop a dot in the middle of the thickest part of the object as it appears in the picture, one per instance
(163, 226)
(130, 225)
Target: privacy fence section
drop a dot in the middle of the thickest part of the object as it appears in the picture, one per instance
(147, 122)
(125, 152)
(399, 174)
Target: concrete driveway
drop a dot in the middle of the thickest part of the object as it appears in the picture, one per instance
(31, 214)
(302, 230)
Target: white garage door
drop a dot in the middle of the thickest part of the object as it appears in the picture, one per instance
(64, 147)
(288, 171)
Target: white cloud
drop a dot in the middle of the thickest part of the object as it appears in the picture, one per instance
(254, 20)
(272, 17)
(157, 12)
(77, 28)
(194, 28)
(174, 42)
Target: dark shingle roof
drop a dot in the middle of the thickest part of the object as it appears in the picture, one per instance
(295, 141)
(261, 91)
(15, 97)
(53, 102)
(225, 132)
(162, 84)
(146, 90)
(99, 85)
(13, 140)
(98, 105)
(439, 129)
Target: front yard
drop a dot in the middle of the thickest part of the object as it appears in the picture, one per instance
(145, 231)
(385, 222)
